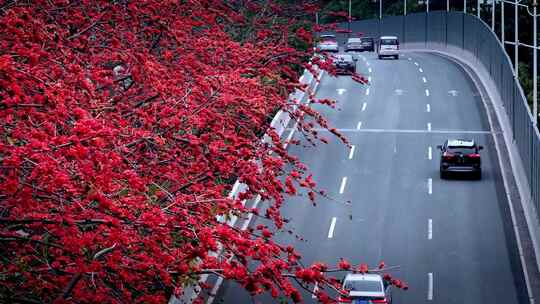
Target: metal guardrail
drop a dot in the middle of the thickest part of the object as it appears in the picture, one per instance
(445, 30)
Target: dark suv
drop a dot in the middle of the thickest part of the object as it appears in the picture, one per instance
(460, 155)
(360, 44)
(345, 64)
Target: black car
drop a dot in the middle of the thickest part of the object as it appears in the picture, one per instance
(345, 64)
(460, 155)
(360, 44)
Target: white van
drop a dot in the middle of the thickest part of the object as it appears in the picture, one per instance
(388, 47)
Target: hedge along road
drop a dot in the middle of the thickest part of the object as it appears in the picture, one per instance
(452, 239)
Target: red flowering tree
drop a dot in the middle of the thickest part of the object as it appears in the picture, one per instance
(124, 125)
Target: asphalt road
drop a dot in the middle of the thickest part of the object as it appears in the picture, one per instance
(451, 239)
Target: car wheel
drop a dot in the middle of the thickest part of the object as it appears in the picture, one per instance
(396, 57)
(478, 175)
(443, 174)
(380, 57)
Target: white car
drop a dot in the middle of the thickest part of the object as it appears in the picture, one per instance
(388, 47)
(328, 43)
(365, 289)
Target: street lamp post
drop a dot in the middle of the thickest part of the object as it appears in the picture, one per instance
(478, 8)
(427, 6)
(502, 23)
(447, 5)
(493, 15)
(535, 71)
(380, 9)
(516, 39)
(404, 7)
(464, 6)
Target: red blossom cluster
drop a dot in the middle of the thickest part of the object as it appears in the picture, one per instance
(124, 125)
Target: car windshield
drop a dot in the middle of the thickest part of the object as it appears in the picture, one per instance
(327, 37)
(363, 285)
(367, 39)
(389, 41)
(462, 150)
(353, 40)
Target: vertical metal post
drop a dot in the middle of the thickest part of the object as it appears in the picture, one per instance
(404, 7)
(493, 15)
(464, 6)
(478, 8)
(447, 5)
(380, 9)
(535, 70)
(502, 23)
(427, 6)
(516, 40)
(349, 10)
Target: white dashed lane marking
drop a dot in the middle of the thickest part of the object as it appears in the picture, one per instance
(421, 71)
(343, 183)
(429, 127)
(424, 79)
(416, 63)
(351, 153)
(428, 108)
(430, 186)
(369, 70)
(430, 286)
(430, 156)
(359, 125)
(332, 227)
(430, 229)
(364, 107)
(427, 92)
(367, 91)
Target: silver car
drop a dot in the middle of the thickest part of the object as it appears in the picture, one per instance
(388, 47)
(366, 288)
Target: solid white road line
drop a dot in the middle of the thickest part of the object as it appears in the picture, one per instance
(428, 108)
(315, 289)
(332, 227)
(364, 106)
(351, 153)
(416, 63)
(430, 286)
(369, 70)
(342, 187)
(429, 127)
(421, 71)
(429, 153)
(367, 91)
(430, 229)
(427, 92)
(359, 125)
(424, 79)
(430, 185)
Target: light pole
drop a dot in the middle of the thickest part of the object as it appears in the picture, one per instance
(447, 5)
(478, 8)
(535, 76)
(493, 15)
(349, 11)
(464, 6)
(502, 23)
(427, 6)
(404, 7)
(516, 39)
(380, 9)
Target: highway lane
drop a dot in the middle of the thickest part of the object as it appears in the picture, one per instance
(448, 237)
